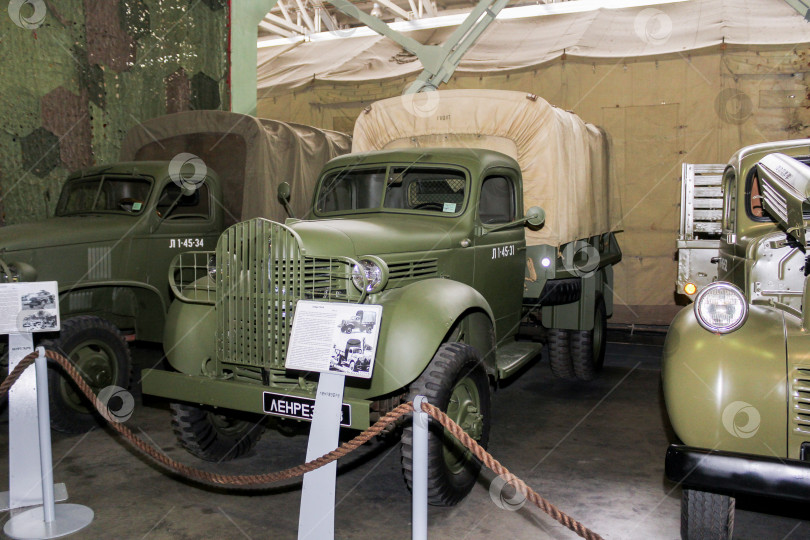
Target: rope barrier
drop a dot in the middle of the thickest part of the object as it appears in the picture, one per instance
(262, 480)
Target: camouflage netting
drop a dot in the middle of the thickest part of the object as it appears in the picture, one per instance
(78, 74)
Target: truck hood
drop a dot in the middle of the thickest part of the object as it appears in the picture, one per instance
(61, 231)
(378, 234)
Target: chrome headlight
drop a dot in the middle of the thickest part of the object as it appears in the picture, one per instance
(721, 307)
(375, 272)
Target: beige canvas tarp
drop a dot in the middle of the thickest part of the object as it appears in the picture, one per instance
(564, 161)
(511, 44)
(252, 156)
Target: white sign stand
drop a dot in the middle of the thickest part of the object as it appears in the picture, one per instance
(26, 308)
(337, 340)
(49, 520)
(316, 520)
(25, 473)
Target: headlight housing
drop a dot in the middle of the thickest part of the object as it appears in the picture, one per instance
(721, 308)
(375, 272)
(212, 267)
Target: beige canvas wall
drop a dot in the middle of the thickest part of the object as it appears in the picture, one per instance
(696, 108)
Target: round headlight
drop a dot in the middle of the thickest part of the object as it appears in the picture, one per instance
(375, 273)
(721, 307)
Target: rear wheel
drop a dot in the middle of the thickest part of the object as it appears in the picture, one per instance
(455, 381)
(559, 354)
(212, 435)
(588, 346)
(98, 350)
(706, 516)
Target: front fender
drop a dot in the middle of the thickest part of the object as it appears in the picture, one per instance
(189, 338)
(728, 392)
(415, 321)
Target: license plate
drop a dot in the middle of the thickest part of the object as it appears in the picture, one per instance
(300, 408)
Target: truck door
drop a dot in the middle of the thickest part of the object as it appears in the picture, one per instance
(500, 255)
(182, 223)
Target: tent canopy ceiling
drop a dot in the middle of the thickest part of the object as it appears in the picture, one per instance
(522, 43)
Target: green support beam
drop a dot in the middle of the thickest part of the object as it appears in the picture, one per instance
(802, 6)
(245, 18)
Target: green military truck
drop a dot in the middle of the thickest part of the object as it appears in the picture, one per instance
(438, 237)
(736, 374)
(117, 227)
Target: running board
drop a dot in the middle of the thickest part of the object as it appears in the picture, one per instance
(511, 356)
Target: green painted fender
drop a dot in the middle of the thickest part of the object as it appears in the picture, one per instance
(728, 392)
(189, 336)
(416, 319)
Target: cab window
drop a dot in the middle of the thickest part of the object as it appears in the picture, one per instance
(497, 203)
(173, 204)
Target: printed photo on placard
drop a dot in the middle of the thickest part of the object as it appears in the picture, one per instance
(335, 337)
(29, 307)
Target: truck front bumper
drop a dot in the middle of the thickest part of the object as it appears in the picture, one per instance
(236, 395)
(738, 474)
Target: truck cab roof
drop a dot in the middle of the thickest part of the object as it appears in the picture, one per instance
(474, 160)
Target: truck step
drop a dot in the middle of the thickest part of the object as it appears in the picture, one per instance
(511, 356)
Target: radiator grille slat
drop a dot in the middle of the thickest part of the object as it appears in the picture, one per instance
(261, 274)
(800, 401)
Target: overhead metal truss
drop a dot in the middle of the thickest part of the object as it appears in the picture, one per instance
(291, 18)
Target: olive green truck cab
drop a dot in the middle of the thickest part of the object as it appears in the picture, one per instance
(736, 371)
(117, 228)
(437, 237)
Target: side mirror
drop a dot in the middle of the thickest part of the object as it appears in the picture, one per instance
(535, 216)
(284, 190)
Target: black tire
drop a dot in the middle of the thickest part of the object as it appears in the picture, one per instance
(98, 350)
(559, 354)
(214, 436)
(706, 516)
(454, 374)
(588, 346)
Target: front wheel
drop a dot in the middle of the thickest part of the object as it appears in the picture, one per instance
(212, 435)
(98, 350)
(455, 381)
(706, 516)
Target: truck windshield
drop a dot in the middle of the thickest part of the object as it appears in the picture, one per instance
(431, 189)
(102, 194)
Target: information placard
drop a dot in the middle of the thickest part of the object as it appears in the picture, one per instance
(330, 337)
(29, 307)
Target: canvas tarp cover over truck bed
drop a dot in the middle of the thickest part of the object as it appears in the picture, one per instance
(564, 161)
(252, 156)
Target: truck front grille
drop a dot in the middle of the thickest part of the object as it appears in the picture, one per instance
(261, 274)
(800, 401)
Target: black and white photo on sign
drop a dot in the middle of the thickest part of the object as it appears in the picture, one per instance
(41, 299)
(335, 337)
(27, 307)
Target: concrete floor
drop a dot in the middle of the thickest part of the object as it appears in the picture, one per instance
(595, 450)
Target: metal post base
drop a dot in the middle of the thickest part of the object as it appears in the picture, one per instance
(68, 519)
(60, 494)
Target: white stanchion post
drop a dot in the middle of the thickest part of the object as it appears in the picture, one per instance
(49, 520)
(44, 421)
(419, 511)
(25, 473)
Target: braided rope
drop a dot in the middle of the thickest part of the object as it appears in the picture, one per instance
(263, 480)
